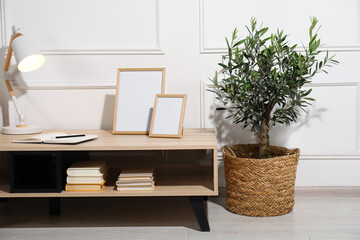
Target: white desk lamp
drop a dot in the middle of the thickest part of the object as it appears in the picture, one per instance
(28, 58)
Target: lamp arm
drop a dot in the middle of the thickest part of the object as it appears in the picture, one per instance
(22, 117)
(9, 52)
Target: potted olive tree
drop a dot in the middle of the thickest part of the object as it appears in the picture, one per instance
(261, 85)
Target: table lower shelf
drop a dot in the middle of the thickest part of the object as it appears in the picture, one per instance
(109, 191)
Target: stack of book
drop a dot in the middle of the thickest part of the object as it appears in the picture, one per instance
(136, 179)
(86, 176)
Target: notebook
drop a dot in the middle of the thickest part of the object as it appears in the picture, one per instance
(136, 173)
(87, 168)
(84, 187)
(85, 179)
(136, 188)
(51, 138)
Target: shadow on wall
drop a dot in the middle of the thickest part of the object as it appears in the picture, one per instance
(108, 112)
(280, 134)
(228, 133)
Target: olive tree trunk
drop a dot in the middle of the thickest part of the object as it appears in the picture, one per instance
(264, 139)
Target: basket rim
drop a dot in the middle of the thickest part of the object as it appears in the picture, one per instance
(291, 151)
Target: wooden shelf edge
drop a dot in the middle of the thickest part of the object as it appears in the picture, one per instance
(109, 191)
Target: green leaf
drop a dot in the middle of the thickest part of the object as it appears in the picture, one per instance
(253, 23)
(314, 21)
(307, 92)
(239, 43)
(222, 65)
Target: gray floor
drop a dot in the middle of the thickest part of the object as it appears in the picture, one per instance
(319, 214)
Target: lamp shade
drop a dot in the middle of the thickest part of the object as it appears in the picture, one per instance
(26, 54)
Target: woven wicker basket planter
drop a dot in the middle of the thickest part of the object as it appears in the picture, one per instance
(260, 187)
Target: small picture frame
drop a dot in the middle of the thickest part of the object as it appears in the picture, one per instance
(168, 116)
(135, 91)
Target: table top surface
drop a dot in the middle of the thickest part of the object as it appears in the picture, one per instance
(192, 139)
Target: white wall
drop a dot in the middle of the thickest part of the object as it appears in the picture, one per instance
(85, 41)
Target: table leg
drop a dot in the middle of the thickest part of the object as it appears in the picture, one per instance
(199, 210)
(54, 206)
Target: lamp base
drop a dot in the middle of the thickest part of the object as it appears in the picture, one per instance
(30, 129)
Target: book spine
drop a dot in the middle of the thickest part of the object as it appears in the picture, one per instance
(71, 190)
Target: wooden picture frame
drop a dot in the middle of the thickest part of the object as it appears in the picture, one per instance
(135, 92)
(168, 116)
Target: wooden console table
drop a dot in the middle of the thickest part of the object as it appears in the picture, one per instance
(194, 176)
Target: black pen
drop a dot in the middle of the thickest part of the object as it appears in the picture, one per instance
(70, 136)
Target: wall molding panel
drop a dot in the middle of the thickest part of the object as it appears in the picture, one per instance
(327, 173)
(207, 47)
(76, 43)
(350, 154)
